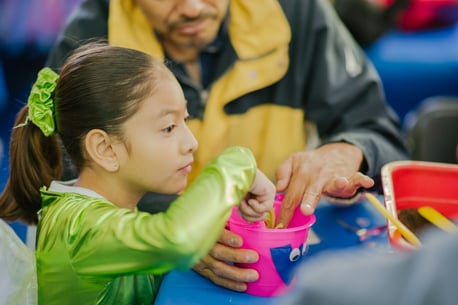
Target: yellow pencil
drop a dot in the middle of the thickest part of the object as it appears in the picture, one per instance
(436, 218)
(408, 235)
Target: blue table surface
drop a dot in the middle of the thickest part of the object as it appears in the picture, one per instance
(189, 288)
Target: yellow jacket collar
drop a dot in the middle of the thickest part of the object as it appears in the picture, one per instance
(254, 29)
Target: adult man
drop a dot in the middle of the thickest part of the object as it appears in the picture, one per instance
(261, 74)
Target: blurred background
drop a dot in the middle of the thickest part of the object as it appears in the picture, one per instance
(412, 43)
(28, 28)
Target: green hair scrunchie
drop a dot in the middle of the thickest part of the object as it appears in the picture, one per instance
(41, 102)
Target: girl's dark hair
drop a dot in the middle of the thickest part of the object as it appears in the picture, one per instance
(99, 87)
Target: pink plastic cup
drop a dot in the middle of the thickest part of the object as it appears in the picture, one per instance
(280, 250)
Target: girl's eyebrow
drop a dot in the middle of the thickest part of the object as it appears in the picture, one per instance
(167, 111)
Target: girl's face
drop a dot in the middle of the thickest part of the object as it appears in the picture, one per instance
(157, 153)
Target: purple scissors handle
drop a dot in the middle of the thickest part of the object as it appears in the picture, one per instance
(362, 233)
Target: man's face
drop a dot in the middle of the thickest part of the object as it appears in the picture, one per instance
(185, 24)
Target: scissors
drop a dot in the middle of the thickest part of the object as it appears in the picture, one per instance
(362, 233)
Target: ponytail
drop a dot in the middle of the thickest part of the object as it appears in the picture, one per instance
(35, 160)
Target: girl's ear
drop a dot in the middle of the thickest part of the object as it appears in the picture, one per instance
(99, 147)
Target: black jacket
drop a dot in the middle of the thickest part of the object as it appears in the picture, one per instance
(288, 69)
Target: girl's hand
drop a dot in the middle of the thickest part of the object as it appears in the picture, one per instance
(259, 200)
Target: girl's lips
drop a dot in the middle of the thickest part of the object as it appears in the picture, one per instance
(186, 169)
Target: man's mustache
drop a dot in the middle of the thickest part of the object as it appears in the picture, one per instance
(185, 20)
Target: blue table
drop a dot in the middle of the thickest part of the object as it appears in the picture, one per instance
(189, 288)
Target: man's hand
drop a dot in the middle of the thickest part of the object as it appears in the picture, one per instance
(331, 169)
(217, 265)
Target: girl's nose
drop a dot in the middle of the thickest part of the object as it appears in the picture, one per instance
(191, 141)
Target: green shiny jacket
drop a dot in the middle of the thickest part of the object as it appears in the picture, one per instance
(90, 251)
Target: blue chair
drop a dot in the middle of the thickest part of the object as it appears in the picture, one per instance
(416, 65)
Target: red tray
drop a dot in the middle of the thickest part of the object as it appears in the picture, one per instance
(412, 184)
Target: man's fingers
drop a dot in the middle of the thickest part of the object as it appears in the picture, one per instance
(223, 252)
(310, 199)
(285, 216)
(215, 268)
(362, 180)
(342, 187)
(229, 284)
(230, 239)
(283, 174)
(208, 265)
(221, 274)
(235, 283)
(288, 206)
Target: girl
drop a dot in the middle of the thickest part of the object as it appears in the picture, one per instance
(121, 116)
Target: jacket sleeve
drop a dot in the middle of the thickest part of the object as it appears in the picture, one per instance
(359, 277)
(343, 93)
(119, 241)
(88, 21)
